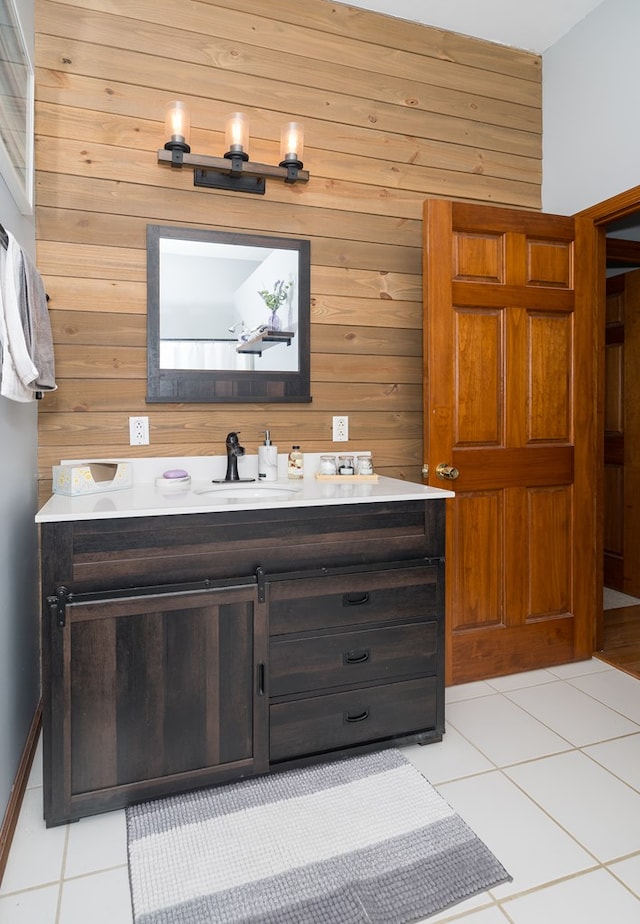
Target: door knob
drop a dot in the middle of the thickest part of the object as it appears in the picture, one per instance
(447, 472)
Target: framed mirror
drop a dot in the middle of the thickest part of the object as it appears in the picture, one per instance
(227, 317)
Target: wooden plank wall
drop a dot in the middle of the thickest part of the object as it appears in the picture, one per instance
(393, 113)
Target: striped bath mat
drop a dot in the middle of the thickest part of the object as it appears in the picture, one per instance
(355, 841)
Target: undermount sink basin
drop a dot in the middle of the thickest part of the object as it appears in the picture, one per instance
(250, 492)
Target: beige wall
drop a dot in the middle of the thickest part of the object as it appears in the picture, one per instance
(393, 112)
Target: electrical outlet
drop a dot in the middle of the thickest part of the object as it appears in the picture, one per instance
(340, 429)
(138, 431)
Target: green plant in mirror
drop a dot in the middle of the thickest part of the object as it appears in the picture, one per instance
(274, 299)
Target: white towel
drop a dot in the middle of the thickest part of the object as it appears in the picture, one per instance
(19, 373)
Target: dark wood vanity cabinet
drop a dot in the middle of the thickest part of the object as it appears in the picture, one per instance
(188, 650)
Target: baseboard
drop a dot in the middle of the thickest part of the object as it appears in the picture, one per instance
(18, 789)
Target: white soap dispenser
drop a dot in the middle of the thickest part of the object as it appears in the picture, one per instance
(267, 459)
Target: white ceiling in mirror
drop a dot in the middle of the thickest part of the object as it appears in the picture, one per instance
(521, 24)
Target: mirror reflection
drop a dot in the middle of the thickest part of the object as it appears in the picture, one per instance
(227, 306)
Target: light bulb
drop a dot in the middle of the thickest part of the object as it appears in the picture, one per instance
(292, 143)
(177, 125)
(237, 134)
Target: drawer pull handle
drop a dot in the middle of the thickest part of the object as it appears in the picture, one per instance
(355, 599)
(356, 657)
(358, 717)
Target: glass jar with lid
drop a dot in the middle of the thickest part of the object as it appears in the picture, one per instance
(346, 465)
(327, 465)
(364, 465)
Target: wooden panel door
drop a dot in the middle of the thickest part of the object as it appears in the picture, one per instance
(510, 403)
(614, 434)
(622, 435)
(631, 573)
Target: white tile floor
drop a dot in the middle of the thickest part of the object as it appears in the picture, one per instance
(544, 766)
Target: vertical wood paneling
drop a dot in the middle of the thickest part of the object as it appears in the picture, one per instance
(394, 113)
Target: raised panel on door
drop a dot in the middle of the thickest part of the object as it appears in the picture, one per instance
(549, 263)
(479, 356)
(509, 402)
(474, 526)
(549, 385)
(548, 548)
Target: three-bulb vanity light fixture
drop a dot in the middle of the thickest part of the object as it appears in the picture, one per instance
(233, 171)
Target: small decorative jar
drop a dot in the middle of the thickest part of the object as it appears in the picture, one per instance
(295, 463)
(364, 465)
(345, 465)
(327, 465)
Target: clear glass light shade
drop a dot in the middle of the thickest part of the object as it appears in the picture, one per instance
(177, 124)
(236, 133)
(292, 142)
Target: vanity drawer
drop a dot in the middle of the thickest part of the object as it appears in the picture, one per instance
(297, 665)
(323, 723)
(355, 598)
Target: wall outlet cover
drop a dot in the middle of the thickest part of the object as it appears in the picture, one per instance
(340, 429)
(138, 431)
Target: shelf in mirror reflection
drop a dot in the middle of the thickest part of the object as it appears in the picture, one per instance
(265, 340)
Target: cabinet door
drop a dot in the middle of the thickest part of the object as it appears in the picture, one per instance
(153, 694)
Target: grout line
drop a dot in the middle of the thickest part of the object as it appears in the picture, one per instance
(608, 769)
(57, 919)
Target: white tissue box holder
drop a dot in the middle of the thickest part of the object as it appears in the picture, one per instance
(92, 478)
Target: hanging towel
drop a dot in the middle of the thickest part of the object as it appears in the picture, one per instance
(38, 323)
(25, 329)
(17, 368)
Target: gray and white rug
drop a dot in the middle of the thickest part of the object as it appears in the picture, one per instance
(355, 841)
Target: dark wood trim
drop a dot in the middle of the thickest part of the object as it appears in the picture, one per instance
(19, 786)
(622, 252)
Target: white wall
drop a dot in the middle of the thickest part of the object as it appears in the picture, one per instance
(19, 605)
(591, 111)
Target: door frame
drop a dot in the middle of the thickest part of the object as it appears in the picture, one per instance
(600, 215)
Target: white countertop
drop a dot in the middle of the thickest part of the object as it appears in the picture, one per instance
(144, 499)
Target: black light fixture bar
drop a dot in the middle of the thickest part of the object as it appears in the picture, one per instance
(234, 171)
(231, 172)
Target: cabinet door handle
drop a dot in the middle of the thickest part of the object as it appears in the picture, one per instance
(358, 717)
(356, 657)
(260, 679)
(355, 599)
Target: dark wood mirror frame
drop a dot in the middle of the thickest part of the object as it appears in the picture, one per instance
(223, 385)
